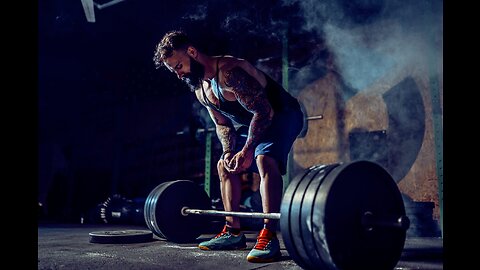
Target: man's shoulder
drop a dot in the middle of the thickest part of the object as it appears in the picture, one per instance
(229, 62)
(233, 68)
(237, 65)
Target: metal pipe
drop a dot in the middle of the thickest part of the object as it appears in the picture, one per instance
(111, 3)
(187, 211)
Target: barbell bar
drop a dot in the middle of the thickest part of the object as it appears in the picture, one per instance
(316, 117)
(335, 216)
(187, 211)
(369, 220)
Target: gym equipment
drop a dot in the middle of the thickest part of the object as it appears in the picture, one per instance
(121, 236)
(336, 216)
(162, 211)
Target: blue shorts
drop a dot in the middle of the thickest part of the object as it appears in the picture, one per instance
(278, 139)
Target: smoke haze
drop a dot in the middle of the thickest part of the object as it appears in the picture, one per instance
(369, 39)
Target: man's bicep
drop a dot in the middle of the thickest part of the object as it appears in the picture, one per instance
(248, 91)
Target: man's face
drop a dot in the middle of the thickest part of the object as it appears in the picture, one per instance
(186, 68)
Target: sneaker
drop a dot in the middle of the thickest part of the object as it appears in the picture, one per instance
(225, 241)
(267, 248)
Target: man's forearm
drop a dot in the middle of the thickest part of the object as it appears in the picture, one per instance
(227, 137)
(258, 125)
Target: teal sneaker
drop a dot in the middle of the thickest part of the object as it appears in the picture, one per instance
(267, 248)
(225, 241)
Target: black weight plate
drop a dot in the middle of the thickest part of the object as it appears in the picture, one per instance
(149, 209)
(346, 194)
(286, 214)
(306, 225)
(166, 206)
(295, 215)
(121, 236)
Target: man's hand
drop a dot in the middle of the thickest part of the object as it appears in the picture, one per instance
(239, 162)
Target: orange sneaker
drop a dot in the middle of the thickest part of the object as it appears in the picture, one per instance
(267, 248)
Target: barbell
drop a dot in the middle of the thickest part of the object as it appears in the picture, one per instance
(335, 216)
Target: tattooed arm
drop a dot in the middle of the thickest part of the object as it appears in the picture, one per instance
(223, 125)
(225, 130)
(251, 95)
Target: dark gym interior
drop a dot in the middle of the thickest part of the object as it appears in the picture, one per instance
(111, 127)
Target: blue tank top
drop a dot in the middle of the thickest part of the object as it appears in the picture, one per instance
(278, 97)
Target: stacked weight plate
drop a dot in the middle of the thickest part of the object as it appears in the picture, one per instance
(162, 211)
(321, 217)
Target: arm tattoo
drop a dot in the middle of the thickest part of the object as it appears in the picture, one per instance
(226, 135)
(251, 95)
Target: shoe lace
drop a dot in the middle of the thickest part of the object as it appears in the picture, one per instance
(222, 233)
(263, 239)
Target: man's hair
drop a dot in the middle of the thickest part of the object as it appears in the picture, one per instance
(172, 40)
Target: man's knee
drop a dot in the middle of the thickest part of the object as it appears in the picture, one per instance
(266, 165)
(264, 160)
(222, 172)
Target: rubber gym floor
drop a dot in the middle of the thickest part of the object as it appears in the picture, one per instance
(68, 246)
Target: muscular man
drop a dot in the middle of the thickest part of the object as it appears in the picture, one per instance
(235, 91)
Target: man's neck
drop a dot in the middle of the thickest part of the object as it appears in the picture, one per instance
(210, 65)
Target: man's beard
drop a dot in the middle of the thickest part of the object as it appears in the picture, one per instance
(195, 77)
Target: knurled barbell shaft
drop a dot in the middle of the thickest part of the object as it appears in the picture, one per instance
(187, 211)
